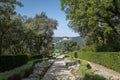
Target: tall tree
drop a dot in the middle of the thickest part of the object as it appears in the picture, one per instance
(95, 18)
(70, 45)
(85, 15)
(7, 11)
(42, 29)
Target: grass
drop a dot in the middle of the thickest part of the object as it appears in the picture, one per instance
(19, 72)
(88, 74)
(83, 69)
(110, 60)
(85, 73)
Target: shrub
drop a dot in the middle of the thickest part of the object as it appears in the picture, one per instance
(90, 48)
(19, 72)
(93, 77)
(8, 62)
(108, 59)
(86, 72)
(37, 56)
(75, 55)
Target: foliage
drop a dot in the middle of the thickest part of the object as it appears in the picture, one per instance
(75, 55)
(29, 35)
(79, 40)
(7, 20)
(23, 35)
(58, 41)
(108, 59)
(40, 32)
(87, 14)
(8, 62)
(88, 74)
(70, 45)
(93, 77)
(37, 57)
(84, 71)
(104, 39)
(97, 20)
(90, 48)
(19, 72)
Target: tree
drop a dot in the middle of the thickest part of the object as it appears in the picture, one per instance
(7, 11)
(84, 15)
(13, 40)
(69, 45)
(94, 17)
(40, 29)
(20, 34)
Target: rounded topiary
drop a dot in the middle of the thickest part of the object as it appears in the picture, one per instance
(75, 55)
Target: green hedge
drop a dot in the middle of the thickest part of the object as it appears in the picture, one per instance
(19, 72)
(8, 62)
(37, 56)
(108, 59)
(93, 77)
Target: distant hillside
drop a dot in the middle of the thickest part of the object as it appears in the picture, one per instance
(79, 40)
(55, 39)
(58, 41)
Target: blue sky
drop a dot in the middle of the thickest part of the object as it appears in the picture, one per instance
(52, 9)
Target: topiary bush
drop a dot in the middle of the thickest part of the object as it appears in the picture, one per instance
(75, 55)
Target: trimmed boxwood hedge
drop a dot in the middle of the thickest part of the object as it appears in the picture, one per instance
(19, 72)
(8, 62)
(108, 59)
(37, 56)
(93, 77)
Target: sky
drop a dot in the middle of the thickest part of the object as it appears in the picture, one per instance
(52, 9)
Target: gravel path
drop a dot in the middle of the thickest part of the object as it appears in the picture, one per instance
(58, 71)
(105, 72)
